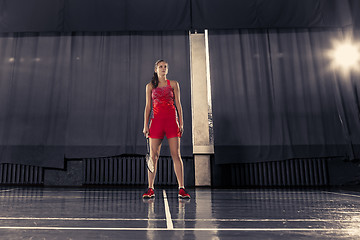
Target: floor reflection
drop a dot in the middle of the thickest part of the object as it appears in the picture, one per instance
(150, 203)
(21, 194)
(209, 214)
(286, 209)
(180, 215)
(204, 210)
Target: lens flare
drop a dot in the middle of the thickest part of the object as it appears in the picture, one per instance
(345, 56)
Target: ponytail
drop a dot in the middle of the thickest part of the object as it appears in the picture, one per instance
(155, 80)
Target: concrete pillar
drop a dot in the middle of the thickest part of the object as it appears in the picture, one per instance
(201, 108)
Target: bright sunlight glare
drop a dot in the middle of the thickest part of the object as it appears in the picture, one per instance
(345, 55)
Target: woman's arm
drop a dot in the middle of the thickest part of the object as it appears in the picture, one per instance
(147, 110)
(178, 105)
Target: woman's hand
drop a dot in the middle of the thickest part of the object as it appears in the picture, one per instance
(146, 131)
(181, 129)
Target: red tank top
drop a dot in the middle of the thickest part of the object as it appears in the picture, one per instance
(163, 102)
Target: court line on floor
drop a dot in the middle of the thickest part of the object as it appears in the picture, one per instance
(8, 190)
(62, 197)
(80, 219)
(169, 223)
(345, 194)
(185, 229)
(263, 220)
(185, 220)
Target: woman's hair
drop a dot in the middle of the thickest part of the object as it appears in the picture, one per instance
(155, 78)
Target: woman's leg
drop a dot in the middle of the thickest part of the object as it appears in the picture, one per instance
(155, 146)
(174, 144)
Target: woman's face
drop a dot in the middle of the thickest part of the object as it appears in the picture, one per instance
(161, 69)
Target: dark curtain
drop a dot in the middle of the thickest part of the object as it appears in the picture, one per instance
(83, 95)
(355, 6)
(179, 15)
(94, 15)
(235, 14)
(276, 97)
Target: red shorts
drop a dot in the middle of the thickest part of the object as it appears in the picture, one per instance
(159, 127)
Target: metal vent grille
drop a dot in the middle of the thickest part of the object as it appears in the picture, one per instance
(296, 172)
(20, 174)
(126, 170)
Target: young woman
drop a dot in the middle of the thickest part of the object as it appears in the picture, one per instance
(166, 120)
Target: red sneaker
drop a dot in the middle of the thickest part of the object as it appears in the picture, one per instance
(149, 193)
(183, 193)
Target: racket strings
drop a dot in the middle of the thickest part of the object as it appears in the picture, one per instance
(149, 160)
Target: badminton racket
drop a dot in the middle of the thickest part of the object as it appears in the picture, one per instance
(149, 160)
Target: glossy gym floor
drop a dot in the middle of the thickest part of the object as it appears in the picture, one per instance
(121, 213)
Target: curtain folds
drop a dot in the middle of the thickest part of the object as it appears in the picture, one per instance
(179, 15)
(275, 96)
(83, 94)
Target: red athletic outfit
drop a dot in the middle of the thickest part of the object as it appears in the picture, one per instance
(164, 120)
